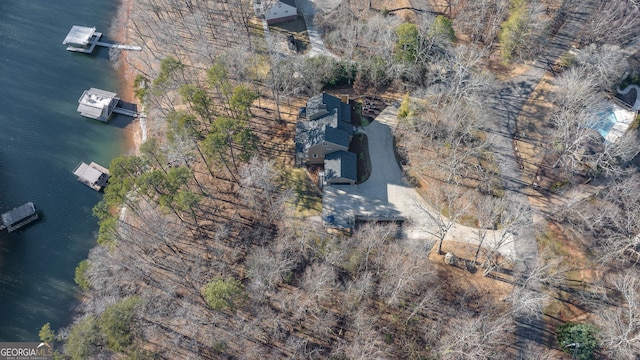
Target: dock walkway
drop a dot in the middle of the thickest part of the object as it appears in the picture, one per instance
(126, 112)
(118, 46)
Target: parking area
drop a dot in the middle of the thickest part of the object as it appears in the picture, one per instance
(386, 195)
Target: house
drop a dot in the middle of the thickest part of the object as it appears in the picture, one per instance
(340, 168)
(323, 141)
(279, 12)
(326, 129)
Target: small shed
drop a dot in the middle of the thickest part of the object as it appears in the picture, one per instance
(81, 38)
(97, 104)
(280, 12)
(93, 175)
(19, 216)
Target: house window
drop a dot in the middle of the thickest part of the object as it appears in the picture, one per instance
(315, 155)
(325, 144)
(286, 11)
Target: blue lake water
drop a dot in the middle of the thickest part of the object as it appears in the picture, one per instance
(42, 139)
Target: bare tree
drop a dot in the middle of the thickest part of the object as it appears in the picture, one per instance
(319, 280)
(605, 63)
(482, 18)
(476, 337)
(620, 330)
(282, 82)
(404, 274)
(577, 110)
(513, 218)
(367, 342)
(621, 15)
(613, 223)
(533, 350)
(489, 211)
(446, 209)
(266, 270)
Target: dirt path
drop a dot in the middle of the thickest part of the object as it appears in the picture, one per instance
(506, 103)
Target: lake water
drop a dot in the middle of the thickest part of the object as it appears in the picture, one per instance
(42, 139)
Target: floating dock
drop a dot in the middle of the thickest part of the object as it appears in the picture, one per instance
(84, 39)
(100, 105)
(19, 216)
(93, 175)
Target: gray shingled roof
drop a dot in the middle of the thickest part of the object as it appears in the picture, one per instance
(341, 164)
(309, 133)
(289, 2)
(312, 132)
(332, 105)
(336, 136)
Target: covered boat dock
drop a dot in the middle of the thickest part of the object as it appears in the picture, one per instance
(19, 217)
(101, 104)
(84, 39)
(93, 175)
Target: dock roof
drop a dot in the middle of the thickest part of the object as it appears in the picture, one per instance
(97, 104)
(79, 35)
(18, 214)
(88, 173)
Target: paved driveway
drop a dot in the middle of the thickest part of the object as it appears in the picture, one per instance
(376, 197)
(387, 196)
(308, 10)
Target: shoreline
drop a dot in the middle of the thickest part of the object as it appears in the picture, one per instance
(120, 27)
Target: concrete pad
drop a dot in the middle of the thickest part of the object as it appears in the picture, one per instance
(624, 118)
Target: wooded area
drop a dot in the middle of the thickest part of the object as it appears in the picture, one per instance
(210, 245)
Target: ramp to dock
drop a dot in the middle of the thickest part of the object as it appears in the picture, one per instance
(126, 112)
(119, 46)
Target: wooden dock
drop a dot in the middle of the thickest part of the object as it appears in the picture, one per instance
(84, 39)
(93, 175)
(19, 216)
(100, 104)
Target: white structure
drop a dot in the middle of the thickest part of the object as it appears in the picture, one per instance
(93, 175)
(279, 12)
(82, 39)
(97, 104)
(623, 119)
